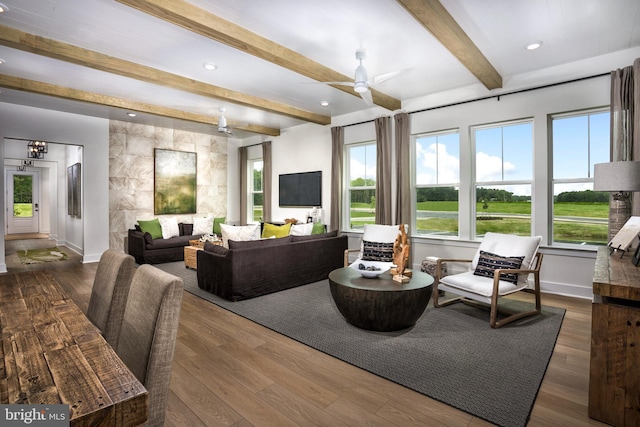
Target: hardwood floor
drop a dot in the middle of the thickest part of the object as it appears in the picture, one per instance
(228, 371)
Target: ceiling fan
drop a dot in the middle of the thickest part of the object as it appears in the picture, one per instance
(223, 127)
(361, 83)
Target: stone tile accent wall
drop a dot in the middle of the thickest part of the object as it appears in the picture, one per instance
(131, 164)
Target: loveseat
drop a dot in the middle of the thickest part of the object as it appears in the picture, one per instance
(249, 269)
(147, 250)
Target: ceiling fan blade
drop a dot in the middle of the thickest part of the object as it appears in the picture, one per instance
(368, 99)
(387, 76)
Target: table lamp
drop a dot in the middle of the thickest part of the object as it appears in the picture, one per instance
(620, 178)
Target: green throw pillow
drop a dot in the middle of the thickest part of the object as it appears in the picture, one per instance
(216, 225)
(272, 230)
(318, 228)
(152, 227)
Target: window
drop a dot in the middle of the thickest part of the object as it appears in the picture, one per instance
(361, 188)
(579, 140)
(504, 172)
(256, 190)
(437, 177)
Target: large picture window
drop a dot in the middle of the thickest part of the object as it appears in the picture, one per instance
(579, 140)
(437, 178)
(504, 172)
(361, 188)
(256, 190)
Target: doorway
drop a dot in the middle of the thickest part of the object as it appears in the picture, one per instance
(23, 202)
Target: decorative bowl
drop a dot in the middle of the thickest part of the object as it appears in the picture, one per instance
(370, 274)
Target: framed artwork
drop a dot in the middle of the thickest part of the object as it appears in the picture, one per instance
(174, 182)
(74, 190)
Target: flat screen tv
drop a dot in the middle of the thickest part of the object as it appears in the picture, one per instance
(301, 189)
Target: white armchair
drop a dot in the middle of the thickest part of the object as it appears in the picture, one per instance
(501, 266)
(376, 246)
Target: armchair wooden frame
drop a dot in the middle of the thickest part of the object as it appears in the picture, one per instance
(470, 298)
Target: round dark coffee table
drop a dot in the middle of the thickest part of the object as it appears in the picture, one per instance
(380, 304)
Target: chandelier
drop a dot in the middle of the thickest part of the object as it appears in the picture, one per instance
(36, 149)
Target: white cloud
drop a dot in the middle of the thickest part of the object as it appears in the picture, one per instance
(427, 161)
(489, 168)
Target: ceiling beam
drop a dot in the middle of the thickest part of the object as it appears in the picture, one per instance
(20, 40)
(199, 21)
(437, 20)
(41, 88)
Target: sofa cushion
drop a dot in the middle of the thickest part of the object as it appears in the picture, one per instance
(262, 243)
(318, 228)
(186, 229)
(301, 229)
(488, 263)
(174, 242)
(202, 225)
(333, 233)
(377, 251)
(239, 233)
(169, 227)
(216, 249)
(152, 227)
(216, 224)
(278, 231)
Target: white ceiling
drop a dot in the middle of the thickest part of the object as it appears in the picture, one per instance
(580, 38)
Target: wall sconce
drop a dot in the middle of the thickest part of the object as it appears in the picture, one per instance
(620, 178)
(24, 165)
(36, 149)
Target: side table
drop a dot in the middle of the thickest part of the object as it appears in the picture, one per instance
(191, 256)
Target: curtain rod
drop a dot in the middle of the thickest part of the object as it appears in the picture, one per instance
(494, 96)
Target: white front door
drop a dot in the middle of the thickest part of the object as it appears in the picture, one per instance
(23, 197)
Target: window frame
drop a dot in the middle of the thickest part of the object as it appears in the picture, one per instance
(502, 183)
(347, 182)
(564, 181)
(251, 193)
(415, 185)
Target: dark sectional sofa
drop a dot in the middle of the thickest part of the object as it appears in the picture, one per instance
(254, 268)
(147, 250)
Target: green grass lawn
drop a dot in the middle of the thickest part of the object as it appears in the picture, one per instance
(489, 220)
(22, 210)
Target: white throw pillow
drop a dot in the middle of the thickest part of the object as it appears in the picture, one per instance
(203, 225)
(169, 227)
(239, 233)
(301, 229)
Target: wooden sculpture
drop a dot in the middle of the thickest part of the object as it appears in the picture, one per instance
(401, 257)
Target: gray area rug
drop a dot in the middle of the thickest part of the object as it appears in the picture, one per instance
(451, 354)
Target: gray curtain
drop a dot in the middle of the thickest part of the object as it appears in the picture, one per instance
(242, 159)
(337, 153)
(625, 118)
(383, 171)
(403, 162)
(266, 181)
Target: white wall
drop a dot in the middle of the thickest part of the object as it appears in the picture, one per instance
(17, 121)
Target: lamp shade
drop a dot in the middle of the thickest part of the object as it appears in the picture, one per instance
(616, 176)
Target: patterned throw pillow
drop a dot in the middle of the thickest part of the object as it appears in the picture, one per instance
(488, 262)
(169, 227)
(376, 251)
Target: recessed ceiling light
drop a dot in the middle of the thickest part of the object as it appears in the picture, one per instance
(2, 61)
(324, 103)
(131, 114)
(3, 8)
(533, 45)
(209, 66)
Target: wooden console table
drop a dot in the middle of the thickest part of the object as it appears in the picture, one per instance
(614, 377)
(52, 354)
